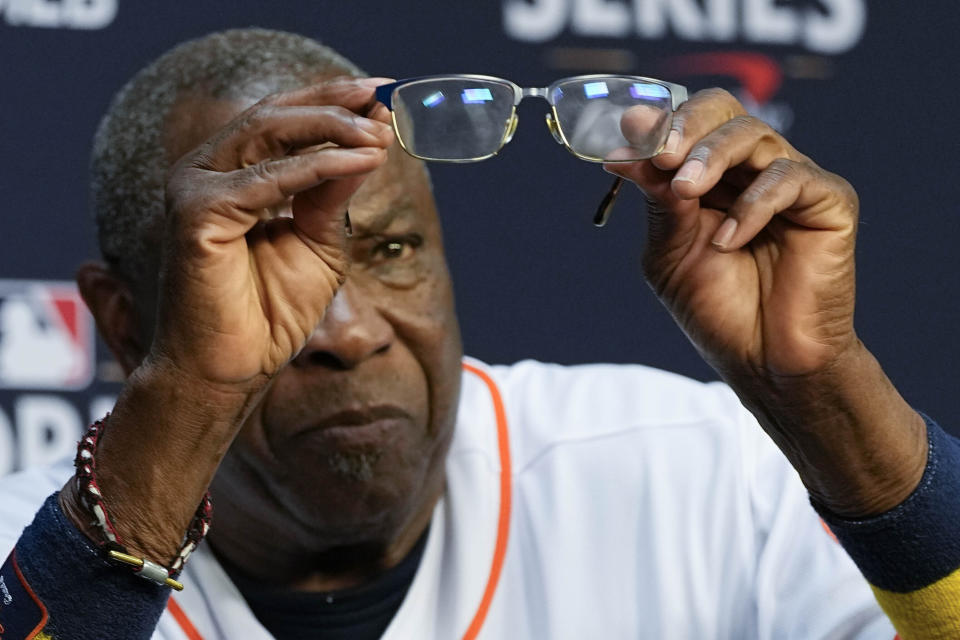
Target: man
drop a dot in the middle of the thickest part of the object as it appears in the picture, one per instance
(313, 381)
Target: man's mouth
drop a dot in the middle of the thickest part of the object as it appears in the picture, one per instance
(359, 426)
(361, 417)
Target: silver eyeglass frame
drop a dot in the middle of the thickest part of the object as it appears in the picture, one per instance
(385, 93)
(678, 95)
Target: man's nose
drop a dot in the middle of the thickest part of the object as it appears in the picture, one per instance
(352, 330)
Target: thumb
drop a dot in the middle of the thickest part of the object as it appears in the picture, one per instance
(320, 212)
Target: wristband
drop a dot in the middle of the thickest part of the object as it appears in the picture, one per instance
(112, 545)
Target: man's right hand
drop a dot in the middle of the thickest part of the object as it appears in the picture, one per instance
(240, 294)
(241, 291)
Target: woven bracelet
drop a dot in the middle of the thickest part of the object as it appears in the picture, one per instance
(92, 500)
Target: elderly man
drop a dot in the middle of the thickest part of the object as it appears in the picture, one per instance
(305, 366)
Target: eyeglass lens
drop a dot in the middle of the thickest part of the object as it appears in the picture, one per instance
(453, 119)
(605, 119)
(613, 119)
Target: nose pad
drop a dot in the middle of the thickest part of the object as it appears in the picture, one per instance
(511, 128)
(554, 129)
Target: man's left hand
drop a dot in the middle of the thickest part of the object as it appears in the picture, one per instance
(751, 243)
(751, 248)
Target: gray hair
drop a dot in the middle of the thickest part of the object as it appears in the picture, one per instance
(129, 159)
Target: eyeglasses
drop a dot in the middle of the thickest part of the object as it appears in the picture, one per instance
(598, 118)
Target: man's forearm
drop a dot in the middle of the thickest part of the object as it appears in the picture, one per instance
(158, 454)
(859, 447)
(886, 481)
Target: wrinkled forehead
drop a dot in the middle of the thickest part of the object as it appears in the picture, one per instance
(400, 187)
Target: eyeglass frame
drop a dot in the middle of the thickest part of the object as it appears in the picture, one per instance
(384, 93)
(678, 95)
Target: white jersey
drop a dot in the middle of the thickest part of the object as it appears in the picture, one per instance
(594, 501)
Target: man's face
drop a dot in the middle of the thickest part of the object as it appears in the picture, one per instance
(349, 441)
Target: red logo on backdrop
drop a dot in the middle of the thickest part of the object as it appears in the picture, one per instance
(46, 336)
(757, 78)
(759, 75)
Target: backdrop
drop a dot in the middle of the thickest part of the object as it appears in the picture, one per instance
(865, 88)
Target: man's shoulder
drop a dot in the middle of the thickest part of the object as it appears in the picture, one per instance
(551, 405)
(22, 494)
(615, 395)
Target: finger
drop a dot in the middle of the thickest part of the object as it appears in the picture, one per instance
(269, 184)
(318, 213)
(637, 123)
(356, 94)
(654, 182)
(271, 132)
(743, 142)
(702, 113)
(380, 113)
(807, 195)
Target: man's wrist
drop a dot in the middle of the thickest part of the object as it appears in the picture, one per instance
(164, 441)
(859, 448)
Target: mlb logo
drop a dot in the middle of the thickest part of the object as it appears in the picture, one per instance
(46, 336)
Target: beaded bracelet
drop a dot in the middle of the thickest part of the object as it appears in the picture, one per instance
(92, 500)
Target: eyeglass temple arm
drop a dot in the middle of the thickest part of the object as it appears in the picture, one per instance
(606, 205)
(678, 94)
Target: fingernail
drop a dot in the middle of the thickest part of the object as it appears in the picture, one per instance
(374, 82)
(673, 142)
(368, 125)
(724, 234)
(691, 171)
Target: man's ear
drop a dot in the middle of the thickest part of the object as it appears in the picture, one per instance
(110, 300)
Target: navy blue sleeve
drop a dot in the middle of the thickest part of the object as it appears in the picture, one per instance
(917, 542)
(57, 582)
(910, 555)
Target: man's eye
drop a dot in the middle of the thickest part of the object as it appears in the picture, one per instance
(397, 248)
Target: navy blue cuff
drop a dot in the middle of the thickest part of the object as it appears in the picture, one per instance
(917, 542)
(85, 595)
